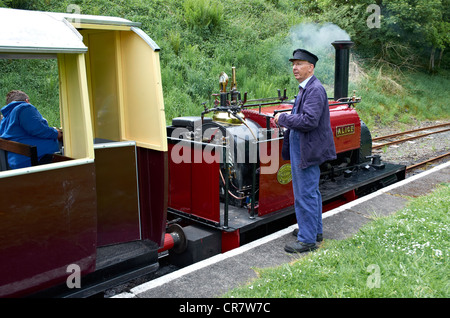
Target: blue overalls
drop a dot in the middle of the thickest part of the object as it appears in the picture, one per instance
(308, 200)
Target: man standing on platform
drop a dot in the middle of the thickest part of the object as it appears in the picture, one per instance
(308, 142)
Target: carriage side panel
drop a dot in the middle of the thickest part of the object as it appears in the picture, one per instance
(47, 221)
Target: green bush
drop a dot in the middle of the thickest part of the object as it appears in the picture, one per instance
(201, 14)
(200, 39)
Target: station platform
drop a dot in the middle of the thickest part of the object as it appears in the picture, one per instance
(214, 276)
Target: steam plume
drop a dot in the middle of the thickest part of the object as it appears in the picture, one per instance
(313, 37)
(317, 39)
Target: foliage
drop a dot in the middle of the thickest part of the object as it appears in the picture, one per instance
(389, 97)
(41, 87)
(406, 26)
(203, 13)
(200, 39)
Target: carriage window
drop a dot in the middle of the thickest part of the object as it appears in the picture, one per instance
(39, 79)
(36, 100)
(29, 135)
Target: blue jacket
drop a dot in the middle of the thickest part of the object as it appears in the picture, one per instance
(313, 121)
(23, 123)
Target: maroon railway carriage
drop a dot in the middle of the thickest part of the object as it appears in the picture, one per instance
(97, 214)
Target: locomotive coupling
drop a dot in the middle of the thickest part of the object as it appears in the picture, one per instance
(376, 161)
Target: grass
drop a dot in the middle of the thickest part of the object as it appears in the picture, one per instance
(401, 256)
(389, 97)
(37, 78)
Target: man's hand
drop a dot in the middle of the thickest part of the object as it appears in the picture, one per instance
(276, 118)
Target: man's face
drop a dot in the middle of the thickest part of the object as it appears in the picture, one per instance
(302, 70)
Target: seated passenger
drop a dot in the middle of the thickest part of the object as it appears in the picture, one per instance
(23, 123)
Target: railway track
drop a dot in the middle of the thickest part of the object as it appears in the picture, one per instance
(409, 132)
(428, 161)
(425, 153)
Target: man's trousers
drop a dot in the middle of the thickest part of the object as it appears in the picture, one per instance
(308, 200)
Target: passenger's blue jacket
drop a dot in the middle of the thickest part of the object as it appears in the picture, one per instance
(313, 121)
(23, 123)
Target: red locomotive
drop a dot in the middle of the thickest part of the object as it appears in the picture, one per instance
(226, 172)
(126, 188)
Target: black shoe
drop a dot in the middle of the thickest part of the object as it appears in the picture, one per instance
(299, 247)
(319, 237)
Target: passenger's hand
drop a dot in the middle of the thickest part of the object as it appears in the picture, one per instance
(60, 134)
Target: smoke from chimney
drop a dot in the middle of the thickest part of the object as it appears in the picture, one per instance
(317, 39)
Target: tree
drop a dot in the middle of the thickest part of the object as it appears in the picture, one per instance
(423, 24)
(410, 32)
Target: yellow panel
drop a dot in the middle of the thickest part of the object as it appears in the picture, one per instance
(143, 105)
(103, 84)
(74, 104)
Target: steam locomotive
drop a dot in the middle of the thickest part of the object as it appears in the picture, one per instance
(126, 188)
(226, 171)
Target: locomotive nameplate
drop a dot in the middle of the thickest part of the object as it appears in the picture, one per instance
(345, 130)
(284, 174)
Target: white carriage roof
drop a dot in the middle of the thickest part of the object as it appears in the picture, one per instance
(94, 19)
(23, 31)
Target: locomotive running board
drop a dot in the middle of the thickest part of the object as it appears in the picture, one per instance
(363, 181)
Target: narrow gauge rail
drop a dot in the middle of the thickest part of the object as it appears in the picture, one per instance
(409, 138)
(431, 160)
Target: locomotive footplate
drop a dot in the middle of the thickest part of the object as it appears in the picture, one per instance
(251, 229)
(359, 181)
(362, 181)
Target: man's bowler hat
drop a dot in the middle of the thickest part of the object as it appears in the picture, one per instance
(300, 54)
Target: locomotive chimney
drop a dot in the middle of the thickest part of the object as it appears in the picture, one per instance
(341, 68)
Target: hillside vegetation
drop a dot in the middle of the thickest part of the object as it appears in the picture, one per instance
(199, 39)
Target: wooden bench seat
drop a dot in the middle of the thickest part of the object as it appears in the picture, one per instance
(18, 148)
(22, 149)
